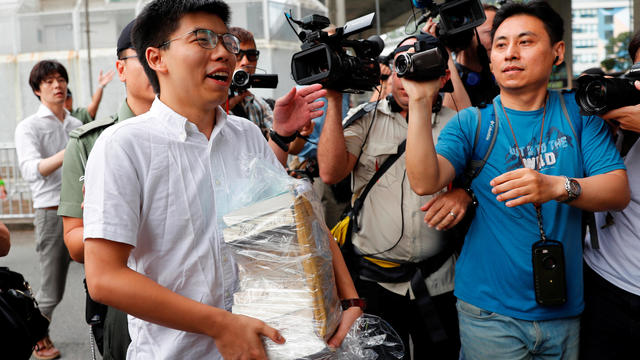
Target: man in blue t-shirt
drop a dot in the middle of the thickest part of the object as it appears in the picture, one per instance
(545, 155)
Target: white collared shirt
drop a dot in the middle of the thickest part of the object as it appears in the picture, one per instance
(155, 182)
(38, 137)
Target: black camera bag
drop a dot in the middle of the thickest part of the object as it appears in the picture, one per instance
(21, 322)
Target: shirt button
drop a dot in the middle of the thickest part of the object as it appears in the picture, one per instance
(218, 182)
(183, 136)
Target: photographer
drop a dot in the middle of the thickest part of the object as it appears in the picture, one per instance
(519, 275)
(610, 324)
(472, 80)
(245, 104)
(390, 222)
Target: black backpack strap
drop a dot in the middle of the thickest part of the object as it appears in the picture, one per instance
(357, 205)
(483, 143)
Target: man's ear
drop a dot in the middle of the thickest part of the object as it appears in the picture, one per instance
(120, 64)
(445, 78)
(558, 50)
(37, 92)
(155, 59)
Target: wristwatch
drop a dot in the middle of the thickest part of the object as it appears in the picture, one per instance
(282, 141)
(572, 186)
(347, 303)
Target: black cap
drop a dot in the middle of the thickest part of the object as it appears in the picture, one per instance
(124, 41)
(69, 93)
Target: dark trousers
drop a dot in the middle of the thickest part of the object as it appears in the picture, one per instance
(404, 316)
(610, 326)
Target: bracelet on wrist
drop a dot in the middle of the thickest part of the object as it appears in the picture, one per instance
(359, 302)
(472, 195)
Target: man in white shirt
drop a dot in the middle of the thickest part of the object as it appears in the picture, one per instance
(610, 324)
(40, 142)
(156, 184)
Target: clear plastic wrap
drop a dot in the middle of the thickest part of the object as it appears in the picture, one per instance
(279, 241)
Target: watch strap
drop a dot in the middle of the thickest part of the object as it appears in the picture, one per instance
(569, 189)
(282, 141)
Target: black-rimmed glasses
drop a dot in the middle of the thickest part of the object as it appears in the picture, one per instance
(252, 55)
(208, 39)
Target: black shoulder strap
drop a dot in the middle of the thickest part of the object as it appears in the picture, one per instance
(357, 204)
(485, 139)
(360, 113)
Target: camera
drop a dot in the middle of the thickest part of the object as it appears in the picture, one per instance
(242, 80)
(424, 64)
(598, 94)
(458, 19)
(324, 58)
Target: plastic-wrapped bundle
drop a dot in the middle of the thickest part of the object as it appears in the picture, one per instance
(281, 246)
(285, 271)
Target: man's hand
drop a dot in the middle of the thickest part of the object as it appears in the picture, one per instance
(235, 100)
(103, 80)
(445, 210)
(423, 90)
(349, 316)
(523, 186)
(627, 118)
(430, 27)
(296, 109)
(240, 338)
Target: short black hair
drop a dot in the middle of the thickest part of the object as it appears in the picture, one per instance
(42, 70)
(540, 9)
(161, 18)
(634, 46)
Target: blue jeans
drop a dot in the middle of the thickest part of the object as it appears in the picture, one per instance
(489, 336)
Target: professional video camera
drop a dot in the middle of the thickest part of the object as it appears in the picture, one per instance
(458, 19)
(324, 57)
(598, 94)
(423, 64)
(242, 80)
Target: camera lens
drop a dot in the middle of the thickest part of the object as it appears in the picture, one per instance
(596, 94)
(549, 262)
(240, 78)
(402, 64)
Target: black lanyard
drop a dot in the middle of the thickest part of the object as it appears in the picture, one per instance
(543, 236)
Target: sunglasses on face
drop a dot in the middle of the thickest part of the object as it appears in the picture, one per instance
(208, 39)
(252, 54)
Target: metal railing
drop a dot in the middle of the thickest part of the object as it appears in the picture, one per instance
(18, 203)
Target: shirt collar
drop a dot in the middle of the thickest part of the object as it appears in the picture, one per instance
(179, 124)
(125, 111)
(45, 112)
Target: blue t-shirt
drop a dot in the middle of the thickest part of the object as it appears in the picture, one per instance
(310, 148)
(494, 271)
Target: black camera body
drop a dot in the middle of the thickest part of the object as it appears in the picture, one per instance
(598, 94)
(242, 80)
(424, 64)
(549, 273)
(324, 58)
(458, 19)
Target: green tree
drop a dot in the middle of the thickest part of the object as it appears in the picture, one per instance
(617, 57)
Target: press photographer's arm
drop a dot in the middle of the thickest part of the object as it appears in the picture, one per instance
(626, 118)
(334, 160)
(428, 172)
